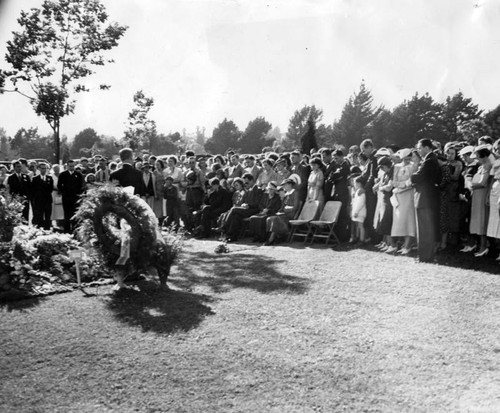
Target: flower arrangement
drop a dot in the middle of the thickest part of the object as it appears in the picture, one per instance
(11, 209)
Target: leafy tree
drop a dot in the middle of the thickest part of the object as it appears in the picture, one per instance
(492, 121)
(308, 140)
(256, 136)
(298, 125)
(224, 137)
(357, 114)
(28, 143)
(58, 46)
(420, 117)
(86, 139)
(141, 130)
(458, 111)
(378, 130)
(5, 150)
(324, 136)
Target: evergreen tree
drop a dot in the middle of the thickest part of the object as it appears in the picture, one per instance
(298, 125)
(458, 111)
(308, 140)
(357, 114)
(255, 137)
(224, 137)
(492, 121)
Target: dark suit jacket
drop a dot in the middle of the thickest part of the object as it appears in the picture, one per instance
(370, 174)
(42, 190)
(426, 180)
(217, 200)
(19, 186)
(127, 175)
(340, 180)
(328, 184)
(253, 197)
(70, 185)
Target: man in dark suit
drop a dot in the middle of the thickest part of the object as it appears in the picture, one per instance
(303, 171)
(214, 205)
(127, 175)
(340, 178)
(250, 206)
(19, 184)
(426, 180)
(42, 186)
(369, 175)
(330, 167)
(70, 185)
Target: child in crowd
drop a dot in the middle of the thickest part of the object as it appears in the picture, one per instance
(358, 213)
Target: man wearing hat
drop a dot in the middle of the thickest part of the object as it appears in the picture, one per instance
(426, 180)
(369, 176)
(214, 204)
(340, 179)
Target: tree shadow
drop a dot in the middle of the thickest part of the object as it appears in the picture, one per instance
(19, 302)
(223, 272)
(159, 310)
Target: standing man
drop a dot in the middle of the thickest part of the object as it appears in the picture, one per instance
(329, 185)
(340, 179)
(128, 175)
(70, 185)
(303, 171)
(426, 180)
(42, 186)
(235, 169)
(19, 183)
(251, 167)
(102, 173)
(369, 176)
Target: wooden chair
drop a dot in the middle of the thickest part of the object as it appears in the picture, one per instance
(324, 226)
(300, 227)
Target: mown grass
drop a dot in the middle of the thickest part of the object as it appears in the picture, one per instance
(284, 329)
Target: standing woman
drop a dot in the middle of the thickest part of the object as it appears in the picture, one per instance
(174, 171)
(267, 175)
(480, 181)
(57, 208)
(3, 177)
(315, 182)
(384, 187)
(404, 223)
(493, 229)
(159, 202)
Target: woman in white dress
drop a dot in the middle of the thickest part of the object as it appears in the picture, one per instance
(404, 223)
(315, 183)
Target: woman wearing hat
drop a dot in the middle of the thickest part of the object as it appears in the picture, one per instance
(480, 182)
(272, 204)
(277, 226)
(404, 223)
(493, 229)
(282, 170)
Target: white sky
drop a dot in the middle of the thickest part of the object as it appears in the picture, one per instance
(205, 60)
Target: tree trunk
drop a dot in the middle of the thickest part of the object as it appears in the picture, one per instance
(57, 142)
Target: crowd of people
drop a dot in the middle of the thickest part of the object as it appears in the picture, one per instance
(431, 197)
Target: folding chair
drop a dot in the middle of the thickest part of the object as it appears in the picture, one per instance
(324, 226)
(307, 214)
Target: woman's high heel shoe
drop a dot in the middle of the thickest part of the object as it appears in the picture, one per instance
(482, 254)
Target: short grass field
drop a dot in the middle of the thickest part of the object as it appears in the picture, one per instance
(264, 329)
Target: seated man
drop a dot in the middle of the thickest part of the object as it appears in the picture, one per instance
(214, 205)
(250, 206)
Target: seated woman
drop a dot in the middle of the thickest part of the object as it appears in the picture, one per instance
(271, 205)
(277, 226)
(237, 200)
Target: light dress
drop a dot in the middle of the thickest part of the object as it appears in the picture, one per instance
(358, 206)
(494, 217)
(404, 222)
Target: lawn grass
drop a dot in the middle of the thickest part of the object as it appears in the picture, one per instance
(280, 329)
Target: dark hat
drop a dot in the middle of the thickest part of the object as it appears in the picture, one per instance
(355, 171)
(289, 181)
(238, 180)
(145, 165)
(214, 181)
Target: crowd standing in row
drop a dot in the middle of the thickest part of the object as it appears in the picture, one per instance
(430, 197)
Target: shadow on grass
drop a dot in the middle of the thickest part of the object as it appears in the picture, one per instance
(19, 302)
(161, 311)
(223, 272)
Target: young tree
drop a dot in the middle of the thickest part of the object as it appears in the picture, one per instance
(141, 130)
(256, 136)
(224, 137)
(58, 46)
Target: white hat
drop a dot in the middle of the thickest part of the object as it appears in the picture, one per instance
(295, 178)
(466, 150)
(403, 153)
(384, 152)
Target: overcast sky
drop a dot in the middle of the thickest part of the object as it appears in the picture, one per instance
(206, 60)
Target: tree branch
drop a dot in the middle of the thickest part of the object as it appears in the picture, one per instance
(18, 91)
